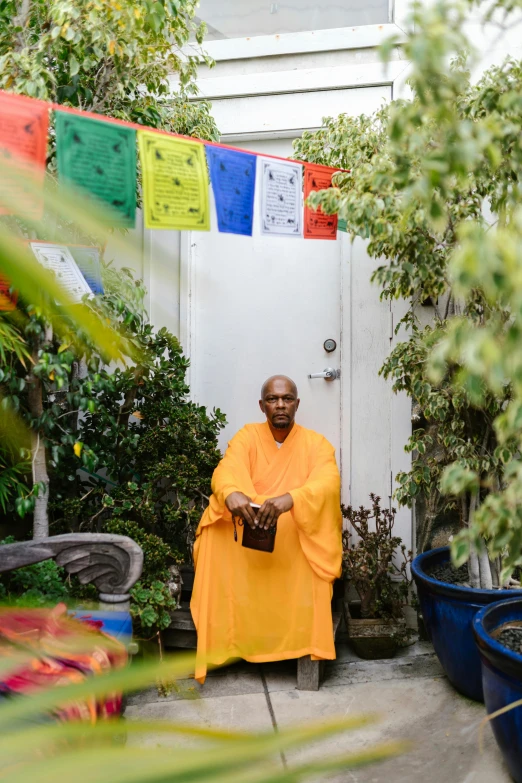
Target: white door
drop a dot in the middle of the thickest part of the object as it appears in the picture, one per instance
(263, 306)
(255, 306)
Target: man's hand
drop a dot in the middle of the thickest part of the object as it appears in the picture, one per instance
(239, 506)
(272, 509)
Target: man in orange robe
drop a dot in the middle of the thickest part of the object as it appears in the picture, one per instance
(257, 605)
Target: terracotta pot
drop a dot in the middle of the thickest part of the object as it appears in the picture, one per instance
(372, 639)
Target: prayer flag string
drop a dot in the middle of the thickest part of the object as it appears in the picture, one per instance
(97, 154)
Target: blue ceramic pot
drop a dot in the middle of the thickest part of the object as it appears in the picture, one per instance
(502, 679)
(448, 612)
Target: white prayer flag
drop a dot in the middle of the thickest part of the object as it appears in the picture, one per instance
(281, 197)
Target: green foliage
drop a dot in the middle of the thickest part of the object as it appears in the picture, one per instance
(32, 748)
(123, 443)
(40, 584)
(369, 562)
(434, 185)
(157, 555)
(152, 605)
(138, 430)
(13, 472)
(152, 602)
(106, 57)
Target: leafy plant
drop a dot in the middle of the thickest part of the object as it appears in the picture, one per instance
(155, 449)
(152, 601)
(116, 59)
(35, 585)
(13, 471)
(109, 58)
(369, 564)
(152, 606)
(425, 175)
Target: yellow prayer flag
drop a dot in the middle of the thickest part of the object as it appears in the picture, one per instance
(175, 182)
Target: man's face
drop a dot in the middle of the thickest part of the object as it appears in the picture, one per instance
(280, 403)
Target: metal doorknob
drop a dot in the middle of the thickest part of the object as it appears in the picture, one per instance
(329, 374)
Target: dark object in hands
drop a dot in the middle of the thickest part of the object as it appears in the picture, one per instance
(256, 538)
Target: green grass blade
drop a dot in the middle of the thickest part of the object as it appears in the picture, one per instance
(128, 679)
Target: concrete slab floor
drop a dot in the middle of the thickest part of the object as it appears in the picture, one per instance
(409, 693)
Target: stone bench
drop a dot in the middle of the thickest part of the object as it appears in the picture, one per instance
(112, 563)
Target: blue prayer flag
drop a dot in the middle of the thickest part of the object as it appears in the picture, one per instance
(233, 177)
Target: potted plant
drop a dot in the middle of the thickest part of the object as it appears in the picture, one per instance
(498, 634)
(449, 606)
(375, 623)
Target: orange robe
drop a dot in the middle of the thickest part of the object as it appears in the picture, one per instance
(269, 606)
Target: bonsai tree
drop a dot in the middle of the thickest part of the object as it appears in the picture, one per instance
(432, 187)
(369, 564)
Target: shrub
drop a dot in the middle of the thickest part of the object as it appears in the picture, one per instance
(369, 563)
(34, 585)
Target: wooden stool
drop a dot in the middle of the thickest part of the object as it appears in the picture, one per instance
(182, 633)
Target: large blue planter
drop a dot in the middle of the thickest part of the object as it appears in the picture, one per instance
(448, 612)
(502, 679)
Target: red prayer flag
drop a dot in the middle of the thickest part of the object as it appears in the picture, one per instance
(7, 300)
(317, 225)
(23, 144)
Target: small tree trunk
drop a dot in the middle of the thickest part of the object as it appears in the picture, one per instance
(486, 580)
(40, 476)
(38, 450)
(473, 564)
(495, 573)
(479, 565)
(474, 570)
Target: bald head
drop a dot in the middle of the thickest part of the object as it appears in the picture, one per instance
(278, 378)
(279, 402)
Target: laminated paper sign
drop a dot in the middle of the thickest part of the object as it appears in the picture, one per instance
(233, 177)
(23, 148)
(100, 158)
(317, 225)
(281, 194)
(175, 183)
(88, 260)
(58, 259)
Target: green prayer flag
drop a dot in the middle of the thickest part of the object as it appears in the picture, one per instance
(100, 158)
(341, 225)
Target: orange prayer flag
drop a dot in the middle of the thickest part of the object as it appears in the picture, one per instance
(8, 300)
(23, 144)
(317, 225)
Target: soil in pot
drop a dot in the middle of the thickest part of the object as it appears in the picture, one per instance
(510, 637)
(372, 639)
(446, 572)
